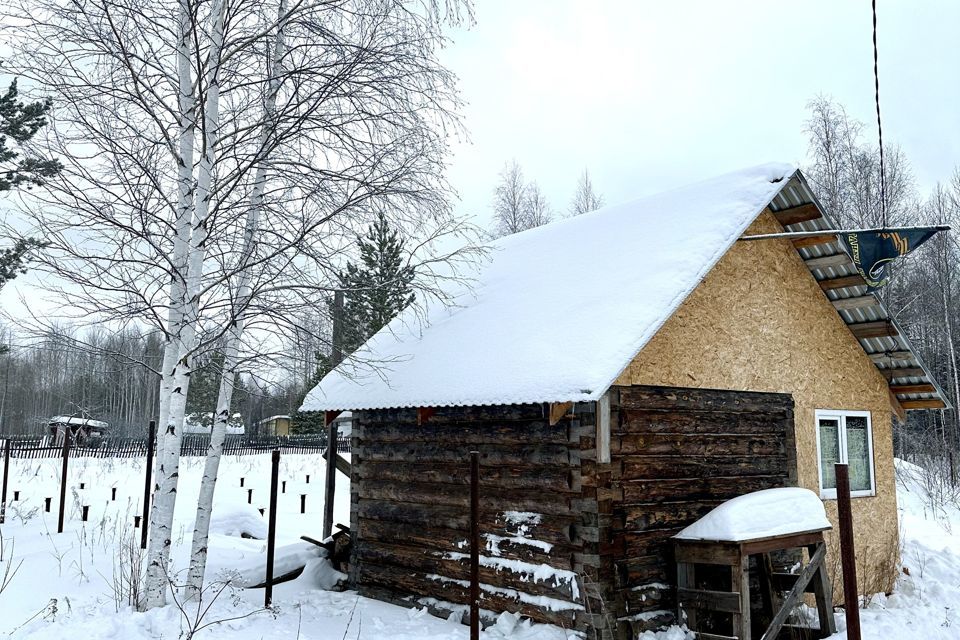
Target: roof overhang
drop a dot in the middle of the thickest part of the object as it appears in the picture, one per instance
(911, 384)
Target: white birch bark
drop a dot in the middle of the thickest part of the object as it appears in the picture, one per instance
(168, 438)
(198, 556)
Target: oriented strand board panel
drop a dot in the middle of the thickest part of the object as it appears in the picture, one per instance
(760, 322)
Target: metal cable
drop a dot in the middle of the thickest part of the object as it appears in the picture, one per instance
(876, 84)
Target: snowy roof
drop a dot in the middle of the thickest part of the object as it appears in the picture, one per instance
(557, 312)
(761, 514)
(280, 417)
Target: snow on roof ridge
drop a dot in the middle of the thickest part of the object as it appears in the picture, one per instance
(557, 312)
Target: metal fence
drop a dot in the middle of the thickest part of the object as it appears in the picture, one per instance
(190, 445)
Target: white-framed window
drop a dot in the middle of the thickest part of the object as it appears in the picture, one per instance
(845, 437)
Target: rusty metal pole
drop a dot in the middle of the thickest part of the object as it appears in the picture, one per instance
(63, 477)
(151, 441)
(6, 473)
(272, 527)
(851, 599)
(329, 489)
(474, 545)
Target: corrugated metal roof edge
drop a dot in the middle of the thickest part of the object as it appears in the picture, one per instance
(831, 225)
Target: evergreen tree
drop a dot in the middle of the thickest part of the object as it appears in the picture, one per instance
(19, 122)
(375, 290)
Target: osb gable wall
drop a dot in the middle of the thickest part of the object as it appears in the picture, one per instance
(759, 322)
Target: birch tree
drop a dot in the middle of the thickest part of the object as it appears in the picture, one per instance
(585, 198)
(144, 231)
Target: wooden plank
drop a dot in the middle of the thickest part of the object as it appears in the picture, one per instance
(896, 407)
(810, 241)
(774, 543)
(930, 403)
(603, 429)
(842, 282)
(856, 302)
(725, 601)
(823, 591)
(904, 372)
(694, 552)
(912, 388)
(686, 580)
(741, 584)
(658, 516)
(714, 636)
(878, 329)
(558, 410)
(824, 262)
(891, 357)
(792, 599)
(798, 214)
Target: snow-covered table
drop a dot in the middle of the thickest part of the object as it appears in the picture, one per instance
(755, 524)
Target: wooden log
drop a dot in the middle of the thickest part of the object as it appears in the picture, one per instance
(427, 562)
(658, 516)
(418, 585)
(703, 445)
(696, 423)
(703, 488)
(551, 528)
(544, 478)
(676, 398)
(650, 468)
(509, 455)
(468, 433)
(493, 498)
(453, 540)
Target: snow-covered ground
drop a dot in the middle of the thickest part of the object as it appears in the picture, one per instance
(66, 585)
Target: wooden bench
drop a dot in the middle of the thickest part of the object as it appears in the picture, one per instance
(780, 592)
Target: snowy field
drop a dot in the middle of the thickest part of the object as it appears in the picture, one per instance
(74, 584)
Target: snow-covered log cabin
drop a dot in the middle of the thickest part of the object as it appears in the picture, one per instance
(623, 372)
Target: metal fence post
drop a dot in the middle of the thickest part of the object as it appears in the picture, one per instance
(151, 439)
(6, 473)
(63, 477)
(851, 599)
(474, 545)
(272, 526)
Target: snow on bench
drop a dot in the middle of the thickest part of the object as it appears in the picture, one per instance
(762, 514)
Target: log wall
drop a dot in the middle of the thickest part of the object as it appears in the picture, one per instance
(675, 455)
(541, 529)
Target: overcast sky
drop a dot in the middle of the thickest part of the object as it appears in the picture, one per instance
(651, 95)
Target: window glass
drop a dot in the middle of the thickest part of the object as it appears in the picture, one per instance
(829, 450)
(858, 453)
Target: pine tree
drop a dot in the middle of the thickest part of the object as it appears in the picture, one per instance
(19, 122)
(375, 290)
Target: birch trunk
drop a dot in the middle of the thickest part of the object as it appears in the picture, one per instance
(168, 438)
(201, 532)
